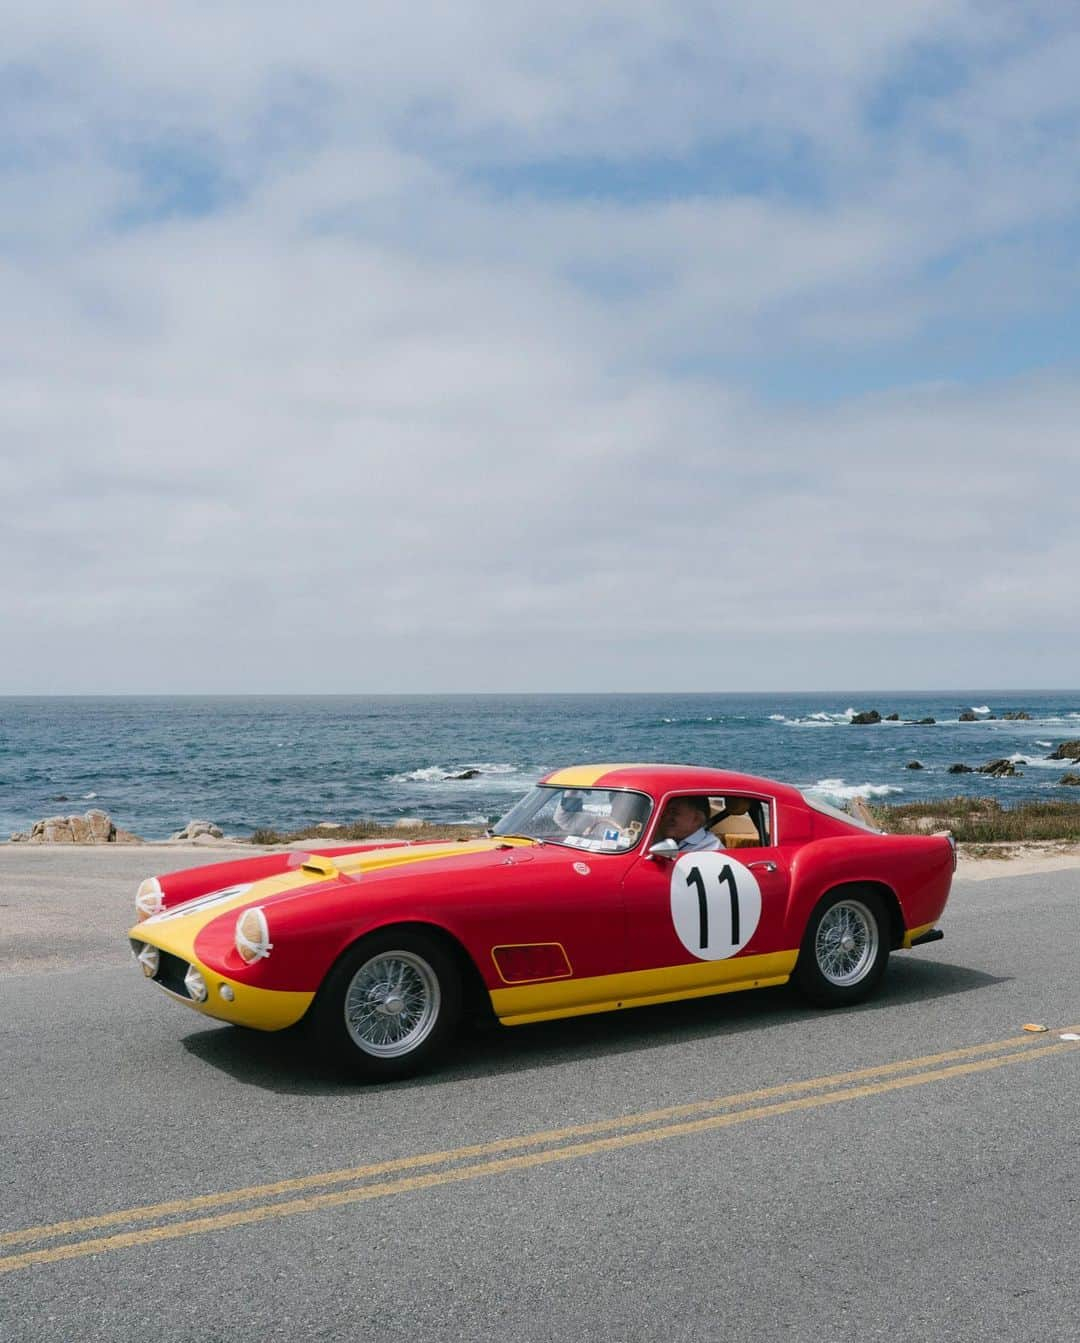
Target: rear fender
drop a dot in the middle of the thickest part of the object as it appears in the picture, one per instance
(825, 865)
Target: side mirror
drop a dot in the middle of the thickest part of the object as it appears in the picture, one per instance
(664, 848)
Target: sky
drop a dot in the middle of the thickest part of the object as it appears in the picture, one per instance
(472, 347)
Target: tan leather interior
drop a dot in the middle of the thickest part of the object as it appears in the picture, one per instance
(735, 832)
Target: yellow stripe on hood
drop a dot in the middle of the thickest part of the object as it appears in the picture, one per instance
(176, 930)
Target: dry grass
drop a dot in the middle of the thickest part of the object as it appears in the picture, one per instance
(977, 820)
(356, 831)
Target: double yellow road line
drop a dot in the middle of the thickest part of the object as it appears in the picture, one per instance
(358, 1184)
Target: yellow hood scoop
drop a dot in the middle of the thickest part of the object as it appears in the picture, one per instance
(317, 866)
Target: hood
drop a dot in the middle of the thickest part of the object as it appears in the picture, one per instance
(315, 873)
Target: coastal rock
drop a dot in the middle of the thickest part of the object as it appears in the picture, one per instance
(80, 830)
(960, 769)
(1018, 716)
(924, 722)
(328, 825)
(52, 830)
(1000, 769)
(19, 837)
(1068, 750)
(914, 764)
(94, 827)
(196, 830)
(125, 837)
(891, 718)
(1070, 780)
(465, 774)
(968, 717)
(101, 826)
(870, 716)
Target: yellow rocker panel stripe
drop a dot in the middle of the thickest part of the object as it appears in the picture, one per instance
(606, 993)
(913, 933)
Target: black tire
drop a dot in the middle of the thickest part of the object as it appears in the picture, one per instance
(829, 971)
(390, 1005)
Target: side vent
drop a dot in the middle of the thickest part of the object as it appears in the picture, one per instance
(532, 961)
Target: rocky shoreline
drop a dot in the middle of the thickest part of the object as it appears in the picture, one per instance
(97, 827)
(871, 717)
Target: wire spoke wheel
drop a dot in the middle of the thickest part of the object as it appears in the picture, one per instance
(391, 1004)
(846, 943)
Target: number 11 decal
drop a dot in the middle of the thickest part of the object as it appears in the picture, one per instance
(715, 904)
(694, 878)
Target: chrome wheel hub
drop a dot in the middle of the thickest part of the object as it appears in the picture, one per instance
(388, 1003)
(392, 1004)
(846, 944)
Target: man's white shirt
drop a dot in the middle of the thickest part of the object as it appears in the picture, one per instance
(700, 839)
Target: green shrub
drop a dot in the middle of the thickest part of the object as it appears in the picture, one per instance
(980, 820)
(352, 832)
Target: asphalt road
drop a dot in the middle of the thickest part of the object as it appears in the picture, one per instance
(935, 1199)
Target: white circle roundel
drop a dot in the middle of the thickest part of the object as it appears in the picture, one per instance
(715, 904)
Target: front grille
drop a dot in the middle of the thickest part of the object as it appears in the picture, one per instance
(171, 972)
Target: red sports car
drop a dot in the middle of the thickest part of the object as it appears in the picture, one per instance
(606, 886)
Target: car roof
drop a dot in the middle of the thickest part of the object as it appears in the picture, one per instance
(660, 779)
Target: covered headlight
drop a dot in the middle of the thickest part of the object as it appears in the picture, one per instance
(195, 984)
(149, 959)
(149, 899)
(252, 936)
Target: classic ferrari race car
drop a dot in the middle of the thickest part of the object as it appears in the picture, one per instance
(580, 900)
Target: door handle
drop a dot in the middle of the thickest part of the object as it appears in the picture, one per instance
(767, 864)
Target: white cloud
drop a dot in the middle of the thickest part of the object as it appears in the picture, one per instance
(357, 419)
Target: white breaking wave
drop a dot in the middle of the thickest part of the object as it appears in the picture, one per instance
(430, 774)
(1044, 743)
(816, 719)
(1036, 761)
(980, 708)
(87, 796)
(498, 773)
(839, 791)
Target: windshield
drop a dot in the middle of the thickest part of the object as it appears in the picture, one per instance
(602, 820)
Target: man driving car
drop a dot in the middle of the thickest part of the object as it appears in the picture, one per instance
(684, 820)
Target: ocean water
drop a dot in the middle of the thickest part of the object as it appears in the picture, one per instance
(155, 762)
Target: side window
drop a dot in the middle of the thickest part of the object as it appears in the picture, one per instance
(741, 822)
